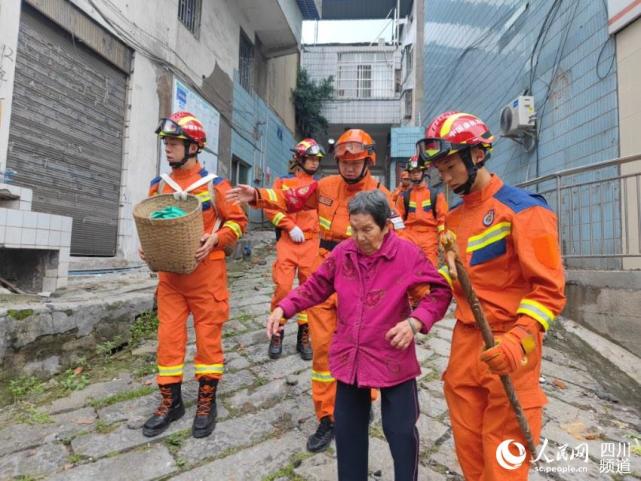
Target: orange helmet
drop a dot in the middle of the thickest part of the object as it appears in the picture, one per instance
(183, 125)
(355, 144)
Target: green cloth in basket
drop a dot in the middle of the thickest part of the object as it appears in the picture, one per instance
(169, 212)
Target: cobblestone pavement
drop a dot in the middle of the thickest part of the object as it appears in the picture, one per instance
(265, 415)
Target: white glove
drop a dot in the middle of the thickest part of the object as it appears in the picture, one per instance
(296, 234)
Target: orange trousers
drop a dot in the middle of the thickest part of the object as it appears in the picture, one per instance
(426, 239)
(292, 260)
(479, 410)
(204, 294)
(322, 323)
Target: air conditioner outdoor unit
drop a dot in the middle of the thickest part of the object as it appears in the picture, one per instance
(518, 117)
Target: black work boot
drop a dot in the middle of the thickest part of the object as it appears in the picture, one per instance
(322, 437)
(170, 409)
(302, 342)
(206, 410)
(276, 345)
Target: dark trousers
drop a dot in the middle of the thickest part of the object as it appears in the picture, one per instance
(399, 409)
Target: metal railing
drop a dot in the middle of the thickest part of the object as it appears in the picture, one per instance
(598, 209)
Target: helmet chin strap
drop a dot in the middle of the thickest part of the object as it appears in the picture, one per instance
(186, 156)
(360, 177)
(472, 170)
(417, 182)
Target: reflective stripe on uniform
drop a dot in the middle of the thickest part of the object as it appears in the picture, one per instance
(234, 226)
(302, 317)
(489, 236)
(440, 228)
(426, 203)
(170, 370)
(277, 218)
(536, 311)
(348, 231)
(209, 368)
(324, 223)
(322, 376)
(204, 196)
(272, 195)
(445, 272)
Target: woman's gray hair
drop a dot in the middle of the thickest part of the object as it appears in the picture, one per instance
(372, 202)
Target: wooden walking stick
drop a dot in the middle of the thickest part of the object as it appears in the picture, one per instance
(449, 244)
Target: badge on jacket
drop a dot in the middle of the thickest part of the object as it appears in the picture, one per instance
(325, 200)
(488, 218)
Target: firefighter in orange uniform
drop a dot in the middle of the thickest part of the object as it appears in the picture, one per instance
(423, 212)
(508, 241)
(203, 293)
(330, 196)
(297, 245)
(403, 186)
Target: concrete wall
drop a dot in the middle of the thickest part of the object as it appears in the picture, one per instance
(164, 48)
(629, 69)
(607, 302)
(9, 23)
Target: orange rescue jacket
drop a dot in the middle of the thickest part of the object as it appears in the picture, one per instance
(508, 241)
(234, 221)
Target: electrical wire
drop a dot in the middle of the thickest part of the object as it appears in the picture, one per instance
(146, 52)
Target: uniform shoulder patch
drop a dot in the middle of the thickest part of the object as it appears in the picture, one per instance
(218, 180)
(203, 172)
(519, 199)
(154, 181)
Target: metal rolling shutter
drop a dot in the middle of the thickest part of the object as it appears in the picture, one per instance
(65, 138)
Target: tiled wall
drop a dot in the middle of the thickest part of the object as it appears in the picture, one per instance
(474, 63)
(259, 137)
(478, 56)
(21, 228)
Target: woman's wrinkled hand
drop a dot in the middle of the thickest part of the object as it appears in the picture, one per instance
(273, 322)
(401, 335)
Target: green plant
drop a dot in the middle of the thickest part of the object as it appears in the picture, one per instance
(104, 427)
(308, 102)
(144, 327)
(74, 380)
(19, 314)
(29, 414)
(121, 396)
(22, 387)
(76, 458)
(105, 349)
(177, 439)
(24, 477)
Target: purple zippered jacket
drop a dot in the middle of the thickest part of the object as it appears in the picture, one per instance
(370, 302)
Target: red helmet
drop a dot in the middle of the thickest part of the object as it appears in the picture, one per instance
(183, 125)
(355, 144)
(307, 147)
(414, 163)
(452, 132)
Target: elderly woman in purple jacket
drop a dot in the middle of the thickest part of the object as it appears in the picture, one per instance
(373, 273)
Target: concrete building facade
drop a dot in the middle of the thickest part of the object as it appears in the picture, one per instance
(84, 83)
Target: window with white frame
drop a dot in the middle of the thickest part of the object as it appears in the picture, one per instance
(365, 75)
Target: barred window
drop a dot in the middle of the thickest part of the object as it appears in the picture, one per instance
(189, 15)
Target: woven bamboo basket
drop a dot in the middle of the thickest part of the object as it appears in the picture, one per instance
(170, 245)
